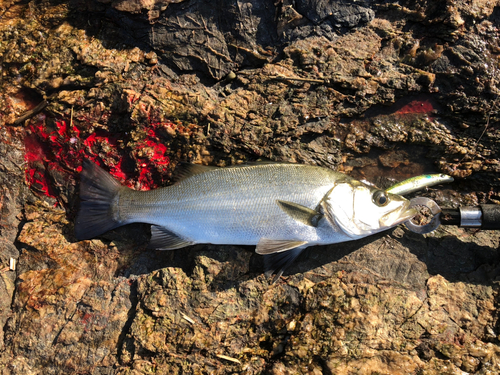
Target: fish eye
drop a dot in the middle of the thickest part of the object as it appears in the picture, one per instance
(380, 198)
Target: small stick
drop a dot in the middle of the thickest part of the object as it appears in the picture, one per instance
(32, 112)
(283, 78)
(231, 359)
(184, 316)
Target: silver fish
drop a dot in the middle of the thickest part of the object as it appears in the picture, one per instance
(280, 208)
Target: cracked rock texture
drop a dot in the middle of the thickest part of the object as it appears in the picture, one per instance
(381, 90)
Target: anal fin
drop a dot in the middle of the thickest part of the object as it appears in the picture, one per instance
(163, 239)
(279, 254)
(277, 263)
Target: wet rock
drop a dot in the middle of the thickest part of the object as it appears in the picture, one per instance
(196, 36)
(345, 14)
(154, 7)
(70, 309)
(12, 196)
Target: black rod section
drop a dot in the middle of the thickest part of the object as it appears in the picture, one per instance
(450, 216)
(490, 216)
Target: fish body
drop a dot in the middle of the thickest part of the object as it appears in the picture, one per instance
(280, 208)
(234, 205)
(417, 183)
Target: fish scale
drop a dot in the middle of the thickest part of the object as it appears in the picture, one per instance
(281, 208)
(236, 205)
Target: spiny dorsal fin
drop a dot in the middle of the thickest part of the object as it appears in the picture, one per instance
(302, 214)
(163, 239)
(261, 160)
(267, 246)
(185, 170)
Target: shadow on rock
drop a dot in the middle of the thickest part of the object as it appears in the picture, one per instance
(401, 257)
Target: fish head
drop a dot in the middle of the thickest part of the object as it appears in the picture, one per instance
(360, 210)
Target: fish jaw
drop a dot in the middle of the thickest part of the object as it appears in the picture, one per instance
(396, 217)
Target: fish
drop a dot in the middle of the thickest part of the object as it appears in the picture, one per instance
(417, 183)
(279, 208)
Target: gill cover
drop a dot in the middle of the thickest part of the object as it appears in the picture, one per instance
(359, 210)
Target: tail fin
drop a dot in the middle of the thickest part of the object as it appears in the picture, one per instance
(97, 192)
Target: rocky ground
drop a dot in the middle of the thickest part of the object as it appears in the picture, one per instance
(382, 90)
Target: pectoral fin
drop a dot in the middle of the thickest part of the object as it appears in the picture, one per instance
(267, 246)
(163, 239)
(302, 214)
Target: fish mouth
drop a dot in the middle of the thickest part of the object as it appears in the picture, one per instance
(398, 216)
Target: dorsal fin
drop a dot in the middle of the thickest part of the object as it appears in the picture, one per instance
(185, 170)
(263, 161)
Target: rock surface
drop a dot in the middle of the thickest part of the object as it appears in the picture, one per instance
(381, 90)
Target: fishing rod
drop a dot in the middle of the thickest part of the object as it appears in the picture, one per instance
(485, 216)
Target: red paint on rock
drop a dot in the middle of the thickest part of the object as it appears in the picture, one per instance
(423, 104)
(154, 159)
(58, 150)
(416, 107)
(36, 157)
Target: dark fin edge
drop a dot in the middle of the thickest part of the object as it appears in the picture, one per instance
(185, 170)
